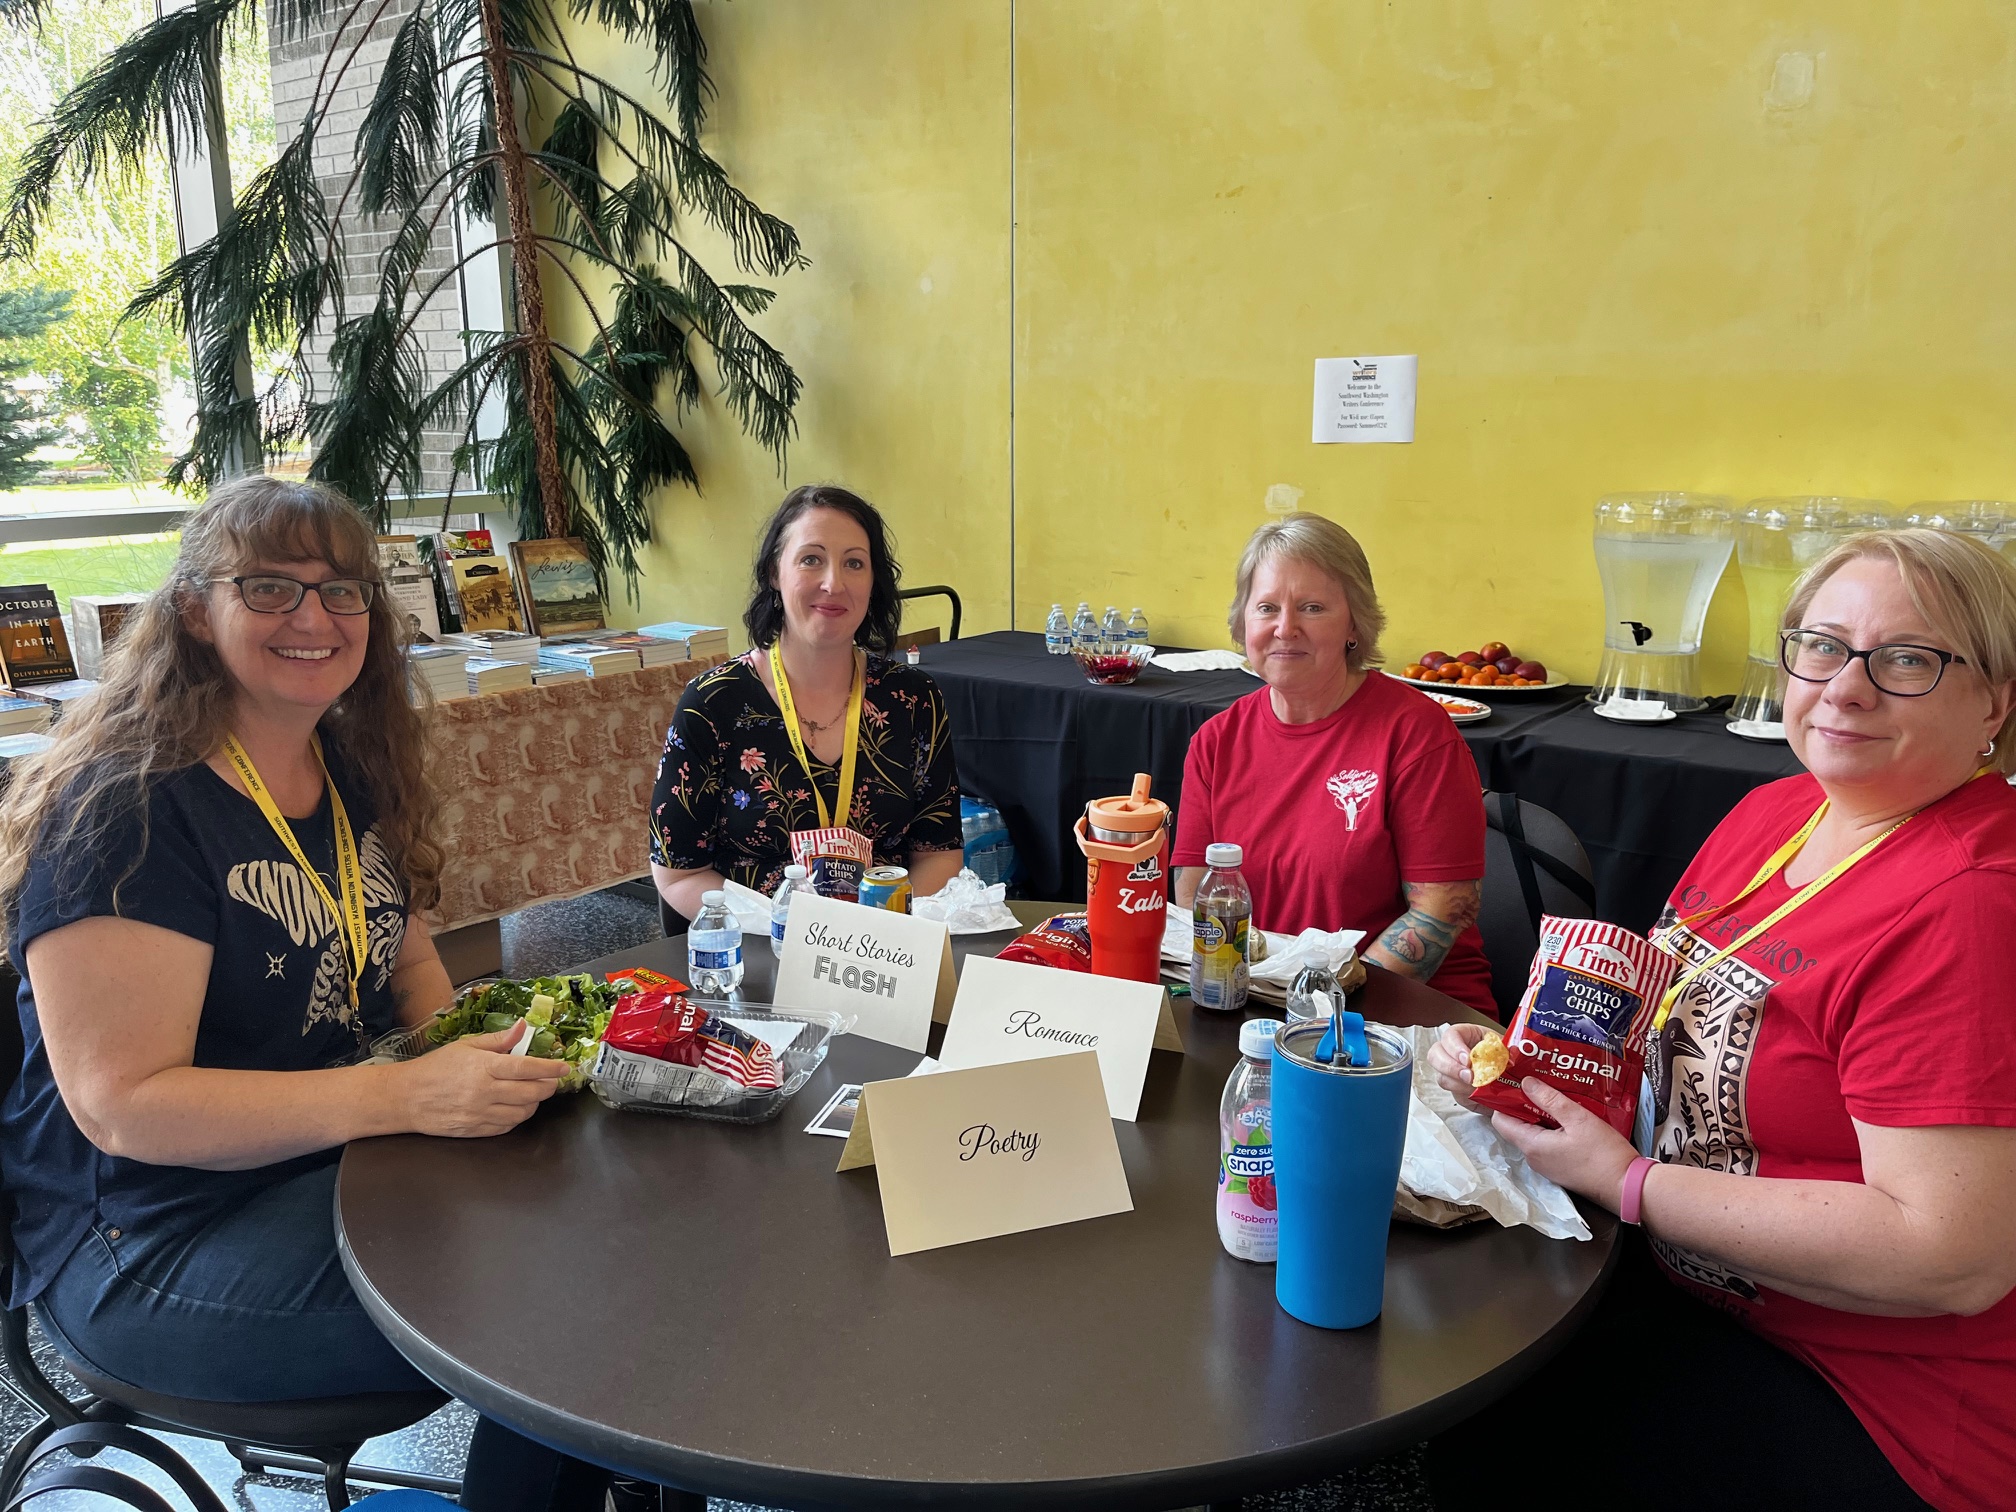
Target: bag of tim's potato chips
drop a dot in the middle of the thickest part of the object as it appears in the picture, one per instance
(1062, 940)
(1582, 1023)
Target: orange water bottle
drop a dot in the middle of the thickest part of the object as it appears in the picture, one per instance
(1126, 841)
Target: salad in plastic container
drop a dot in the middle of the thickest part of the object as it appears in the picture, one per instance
(566, 1014)
(666, 1052)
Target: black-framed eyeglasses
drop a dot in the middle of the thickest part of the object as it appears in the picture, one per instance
(271, 593)
(1901, 668)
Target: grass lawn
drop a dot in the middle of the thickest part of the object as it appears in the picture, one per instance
(117, 564)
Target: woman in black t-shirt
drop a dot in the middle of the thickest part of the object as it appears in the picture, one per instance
(734, 785)
(211, 885)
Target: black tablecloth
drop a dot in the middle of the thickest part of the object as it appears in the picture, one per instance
(1037, 741)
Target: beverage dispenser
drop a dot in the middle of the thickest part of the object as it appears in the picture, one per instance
(1776, 541)
(1660, 556)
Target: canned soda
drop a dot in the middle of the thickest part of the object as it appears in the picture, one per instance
(887, 887)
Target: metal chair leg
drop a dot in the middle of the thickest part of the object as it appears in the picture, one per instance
(335, 1479)
(18, 1455)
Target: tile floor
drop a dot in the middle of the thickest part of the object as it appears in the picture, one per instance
(549, 938)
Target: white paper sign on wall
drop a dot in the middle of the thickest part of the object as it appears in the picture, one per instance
(890, 970)
(1012, 1011)
(1364, 399)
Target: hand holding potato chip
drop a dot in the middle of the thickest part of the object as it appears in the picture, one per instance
(1488, 1060)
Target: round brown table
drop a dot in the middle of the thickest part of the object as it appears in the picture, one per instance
(712, 1307)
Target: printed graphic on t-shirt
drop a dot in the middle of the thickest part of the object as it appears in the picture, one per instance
(1700, 1067)
(278, 890)
(1353, 789)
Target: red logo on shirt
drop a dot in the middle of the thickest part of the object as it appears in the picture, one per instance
(1352, 789)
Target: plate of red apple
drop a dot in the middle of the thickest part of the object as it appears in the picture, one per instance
(1492, 668)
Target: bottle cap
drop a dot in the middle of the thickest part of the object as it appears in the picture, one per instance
(796, 873)
(1222, 855)
(715, 899)
(1256, 1038)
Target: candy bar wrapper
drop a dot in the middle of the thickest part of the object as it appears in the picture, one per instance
(1062, 940)
(835, 861)
(1590, 997)
(664, 1026)
(638, 978)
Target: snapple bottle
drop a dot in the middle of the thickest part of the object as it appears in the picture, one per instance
(1246, 1219)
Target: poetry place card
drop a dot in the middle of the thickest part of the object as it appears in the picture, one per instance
(1011, 1010)
(990, 1150)
(889, 970)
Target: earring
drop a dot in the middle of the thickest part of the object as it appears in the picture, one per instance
(1991, 748)
(1350, 645)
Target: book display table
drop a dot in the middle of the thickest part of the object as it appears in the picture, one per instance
(546, 791)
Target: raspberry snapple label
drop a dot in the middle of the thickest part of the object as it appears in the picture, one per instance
(891, 972)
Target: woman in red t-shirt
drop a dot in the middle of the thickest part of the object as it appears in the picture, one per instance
(1356, 802)
(1835, 1089)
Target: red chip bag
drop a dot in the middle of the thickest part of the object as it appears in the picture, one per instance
(664, 1025)
(1581, 1026)
(1062, 940)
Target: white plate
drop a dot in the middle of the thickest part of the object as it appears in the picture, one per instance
(1632, 719)
(1770, 732)
(1462, 710)
(1473, 691)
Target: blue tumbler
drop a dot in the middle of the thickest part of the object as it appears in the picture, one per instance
(1338, 1132)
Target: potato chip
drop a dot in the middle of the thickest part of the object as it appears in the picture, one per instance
(1488, 1060)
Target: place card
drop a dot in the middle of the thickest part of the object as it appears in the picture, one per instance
(891, 971)
(1012, 1011)
(990, 1150)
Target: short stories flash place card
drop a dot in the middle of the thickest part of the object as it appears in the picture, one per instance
(990, 1150)
(891, 971)
(1011, 1010)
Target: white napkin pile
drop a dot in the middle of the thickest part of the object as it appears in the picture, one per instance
(968, 906)
(1455, 1155)
(1286, 954)
(1201, 661)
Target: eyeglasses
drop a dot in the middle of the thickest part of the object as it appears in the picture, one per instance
(1906, 670)
(270, 593)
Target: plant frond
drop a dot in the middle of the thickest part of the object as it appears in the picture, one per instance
(471, 136)
(369, 432)
(148, 92)
(680, 64)
(751, 299)
(399, 142)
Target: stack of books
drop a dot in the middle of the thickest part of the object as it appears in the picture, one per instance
(692, 642)
(592, 657)
(497, 645)
(59, 696)
(489, 675)
(545, 676)
(651, 649)
(441, 669)
(24, 716)
(14, 747)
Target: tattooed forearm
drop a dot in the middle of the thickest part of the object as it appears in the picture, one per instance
(1416, 943)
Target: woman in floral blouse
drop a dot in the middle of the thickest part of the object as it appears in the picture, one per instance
(732, 786)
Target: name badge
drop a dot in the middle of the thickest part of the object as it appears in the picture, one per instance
(891, 971)
(991, 1150)
(1011, 1011)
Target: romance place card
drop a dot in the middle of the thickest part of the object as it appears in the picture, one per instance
(990, 1150)
(891, 971)
(1010, 1010)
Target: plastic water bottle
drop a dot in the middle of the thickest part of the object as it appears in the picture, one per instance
(1112, 632)
(1246, 1218)
(1057, 632)
(1084, 631)
(795, 881)
(1220, 917)
(714, 948)
(1137, 627)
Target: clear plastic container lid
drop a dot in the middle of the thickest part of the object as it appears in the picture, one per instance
(1256, 1038)
(1222, 855)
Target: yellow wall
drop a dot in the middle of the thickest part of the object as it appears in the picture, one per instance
(1630, 252)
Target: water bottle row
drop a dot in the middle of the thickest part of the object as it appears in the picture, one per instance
(1080, 633)
(714, 943)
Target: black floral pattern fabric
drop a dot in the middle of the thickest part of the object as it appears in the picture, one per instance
(731, 790)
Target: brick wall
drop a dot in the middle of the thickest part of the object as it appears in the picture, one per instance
(296, 64)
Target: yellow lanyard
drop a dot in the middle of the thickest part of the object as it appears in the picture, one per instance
(1768, 870)
(349, 874)
(850, 744)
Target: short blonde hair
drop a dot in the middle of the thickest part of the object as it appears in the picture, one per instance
(1329, 547)
(1965, 590)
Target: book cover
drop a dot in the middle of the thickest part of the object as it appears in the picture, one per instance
(558, 581)
(33, 648)
(410, 586)
(483, 584)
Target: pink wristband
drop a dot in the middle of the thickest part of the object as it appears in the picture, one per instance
(1634, 1188)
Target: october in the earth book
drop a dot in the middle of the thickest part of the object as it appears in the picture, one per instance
(33, 648)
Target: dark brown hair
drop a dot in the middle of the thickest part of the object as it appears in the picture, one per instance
(880, 626)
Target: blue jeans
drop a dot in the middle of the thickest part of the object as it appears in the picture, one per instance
(254, 1307)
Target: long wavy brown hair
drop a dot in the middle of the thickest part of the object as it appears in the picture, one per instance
(166, 701)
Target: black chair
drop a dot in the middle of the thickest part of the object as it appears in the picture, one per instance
(310, 1436)
(937, 590)
(1533, 865)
